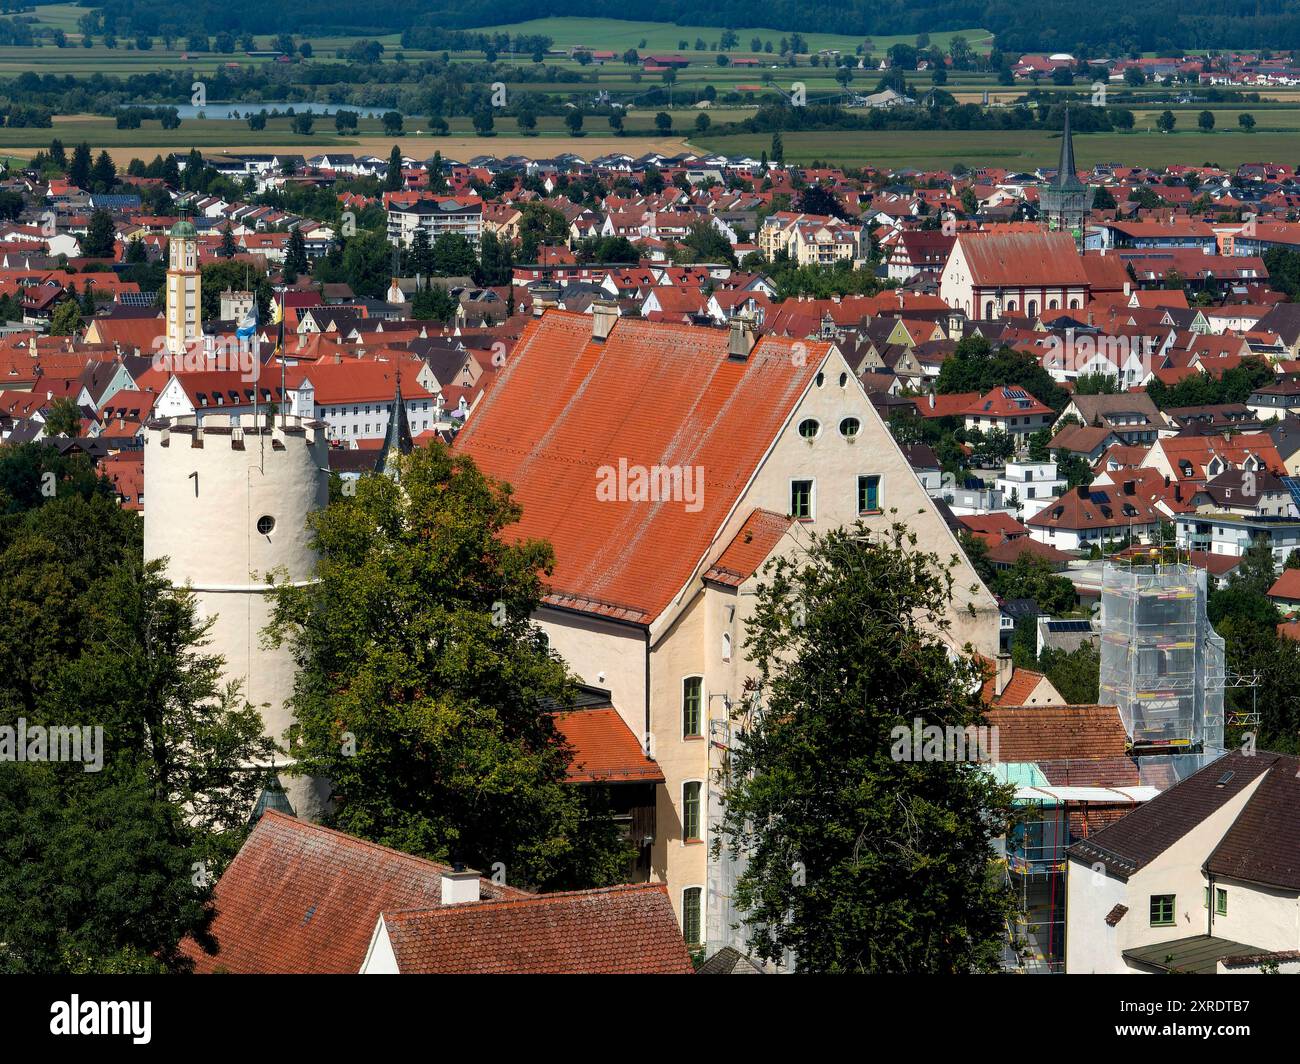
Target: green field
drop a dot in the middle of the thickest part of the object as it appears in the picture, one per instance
(616, 35)
(1016, 150)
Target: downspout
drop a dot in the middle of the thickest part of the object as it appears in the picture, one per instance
(649, 744)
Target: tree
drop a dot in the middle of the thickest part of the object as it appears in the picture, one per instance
(453, 256)
(345, 121)
(393, 180)
(574, 122)
(817, 199)
(778, 149)
(1205, 121)
(417, 640)
(818, 782)
(295, 256)
(484, 122)
(228, 246)
(101, 237)
(303, 124)
(1166, 122)
(66, 320)
(664, 123)
(1246, 121)
(79, 167)
(392, 123)
(702, 123)
(99, 869)
(257, 121)
(103, 175)
(63, 419)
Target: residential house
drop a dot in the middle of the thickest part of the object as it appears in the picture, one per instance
(1204, 878)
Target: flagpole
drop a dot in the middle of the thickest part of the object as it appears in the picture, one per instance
(280, 347)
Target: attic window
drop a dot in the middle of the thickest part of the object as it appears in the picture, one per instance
(809, 428)
(850, 427)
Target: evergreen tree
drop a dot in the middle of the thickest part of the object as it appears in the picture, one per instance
(393, 177)
(79, 168)
(101, 237)
(103, 176)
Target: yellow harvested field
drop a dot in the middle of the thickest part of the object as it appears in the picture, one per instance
(460, 148)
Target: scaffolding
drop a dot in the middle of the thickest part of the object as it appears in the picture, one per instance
(1162, 663)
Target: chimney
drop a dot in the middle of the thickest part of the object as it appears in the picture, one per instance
(1003, 677)
(459, 885)
(604, 313)
(740, 340)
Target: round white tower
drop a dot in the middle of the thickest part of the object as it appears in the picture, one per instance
(227, 505)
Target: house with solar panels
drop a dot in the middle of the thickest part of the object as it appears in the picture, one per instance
(1009, 409)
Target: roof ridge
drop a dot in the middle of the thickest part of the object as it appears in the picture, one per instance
(529, 899)
(308, 825)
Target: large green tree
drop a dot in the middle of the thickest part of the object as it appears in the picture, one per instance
(423, 685)
(858, 861)
(108, 870)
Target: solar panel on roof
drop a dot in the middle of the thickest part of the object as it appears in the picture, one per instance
(1069, 626)
(1014, 393)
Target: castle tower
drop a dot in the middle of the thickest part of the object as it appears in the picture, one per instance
(1066, 201)
(227, 505)
(184, 287)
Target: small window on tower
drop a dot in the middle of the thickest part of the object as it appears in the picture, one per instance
(265, 525)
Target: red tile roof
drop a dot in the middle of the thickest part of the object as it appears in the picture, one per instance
(627, 930)
(604, 748)
(300, 898)
(1035, 258)
(1286, 586)
(1037, 733)
(567, 409)
(751, 547)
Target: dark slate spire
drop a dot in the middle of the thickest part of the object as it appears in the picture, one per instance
(1066, 172)
(398, 438)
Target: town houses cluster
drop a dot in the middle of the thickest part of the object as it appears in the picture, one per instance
(1043, 370)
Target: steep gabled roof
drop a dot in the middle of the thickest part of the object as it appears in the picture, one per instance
(569, 413)
(300, 898)
(1149, 830)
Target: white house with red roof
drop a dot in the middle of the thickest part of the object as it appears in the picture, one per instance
(1009, 409)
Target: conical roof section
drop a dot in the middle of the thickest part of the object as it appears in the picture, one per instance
(398, 438)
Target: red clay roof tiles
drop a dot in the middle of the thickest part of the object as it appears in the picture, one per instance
(300, 898)
(615, 930)
(568, 410)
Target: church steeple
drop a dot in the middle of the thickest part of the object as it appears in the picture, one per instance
(1065, 201)
(1067, 174)
(397, 440)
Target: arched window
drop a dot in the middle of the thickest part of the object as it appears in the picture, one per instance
(693, 915)
(1051, 304)
(726, 646)
(988, 309)
(1074, 304)
(1032, 308)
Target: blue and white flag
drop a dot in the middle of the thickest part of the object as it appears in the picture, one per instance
(248, 325)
